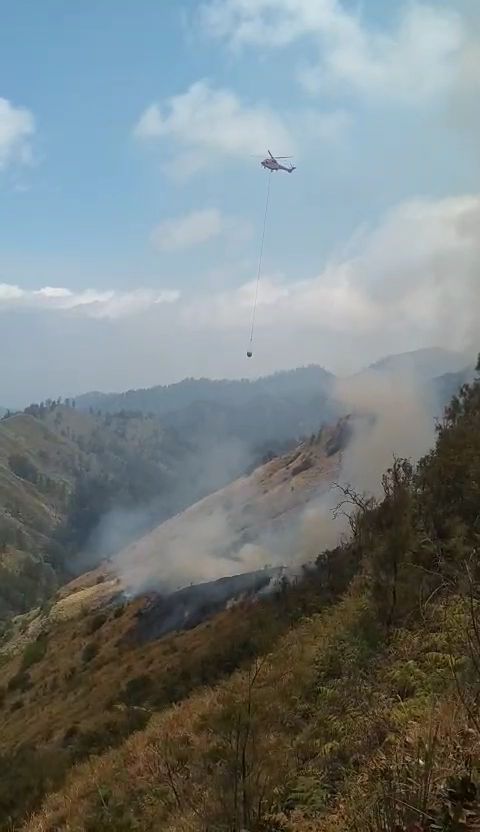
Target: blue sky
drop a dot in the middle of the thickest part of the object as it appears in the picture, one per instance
(131, 204)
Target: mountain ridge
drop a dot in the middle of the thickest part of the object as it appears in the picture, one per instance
(342, 701)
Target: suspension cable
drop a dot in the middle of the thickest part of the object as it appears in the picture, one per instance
(261, 256)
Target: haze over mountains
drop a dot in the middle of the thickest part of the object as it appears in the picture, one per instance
(286, 405)
(78, 483)
(347, 641)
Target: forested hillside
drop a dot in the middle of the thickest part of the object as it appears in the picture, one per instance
(284, 406)
(77, 486)
(61, 471)
(354, 703)
(167, 398)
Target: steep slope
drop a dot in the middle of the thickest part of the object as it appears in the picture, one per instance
(425, 364)
(245, 525)
(284, 406)
(97, 663)
(60, 472)
(175, 397)
(37, 475)
(363, 716)
(287, 405)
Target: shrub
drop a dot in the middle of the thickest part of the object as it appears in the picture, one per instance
(21, 681)
(34, 652)
(23, 468)
(89, 652)
(70, 734)
(136, 690)
(95, 623)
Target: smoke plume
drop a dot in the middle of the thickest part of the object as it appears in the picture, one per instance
(277, 518)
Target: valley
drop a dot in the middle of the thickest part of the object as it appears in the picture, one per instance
(166, 612)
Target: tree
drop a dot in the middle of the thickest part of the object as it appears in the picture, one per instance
(23, 467)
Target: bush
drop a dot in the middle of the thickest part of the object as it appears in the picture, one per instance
(21, 681)
(34, 652)
(95, 623)
(136, 690)
(70, 734)
(89, 652)
(23, 468)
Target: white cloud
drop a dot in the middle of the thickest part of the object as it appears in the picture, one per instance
(17, 126)
(9, 292)
(415, 274)
(196, 228)
(205, 121)
(205, 126)
(413, 59)
(92, 303)
(411, 281)
(189, 230)
(54, 292)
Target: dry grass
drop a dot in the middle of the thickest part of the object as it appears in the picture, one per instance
(333, 730)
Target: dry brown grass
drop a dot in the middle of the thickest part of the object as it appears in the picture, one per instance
(323, 733)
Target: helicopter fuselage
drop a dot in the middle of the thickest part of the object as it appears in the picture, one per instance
(272, 164)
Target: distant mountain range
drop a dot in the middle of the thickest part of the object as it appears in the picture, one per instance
(287, 405)
(425, 363)
(165, 399)
(74, 480)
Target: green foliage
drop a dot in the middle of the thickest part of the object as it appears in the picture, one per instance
(449, 477)
(34, 652)
(308, 793)
(23, 467)
(137, 690)
(348, 702)
(25, 775)
(90, 500)
(28, 585)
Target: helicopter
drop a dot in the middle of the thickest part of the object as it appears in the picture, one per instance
(271, 163)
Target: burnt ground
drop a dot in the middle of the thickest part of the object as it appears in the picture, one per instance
(189, 606)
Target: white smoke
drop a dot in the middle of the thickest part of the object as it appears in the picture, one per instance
(397, 413)
(273, 518)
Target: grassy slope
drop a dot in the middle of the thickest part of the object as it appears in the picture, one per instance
(52, 455)
(72, 701)
(362, 716)
(135, 456)
(79, 687)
